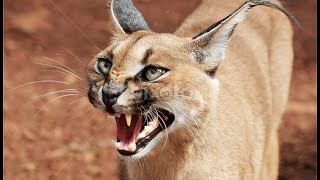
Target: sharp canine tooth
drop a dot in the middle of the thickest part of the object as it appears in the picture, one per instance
(148, 128)
(132, 147)
(128, 119)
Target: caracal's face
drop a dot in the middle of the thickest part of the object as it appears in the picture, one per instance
(151, 85)
(155, 83)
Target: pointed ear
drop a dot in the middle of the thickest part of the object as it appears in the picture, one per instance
(126, 18)
(209, 46)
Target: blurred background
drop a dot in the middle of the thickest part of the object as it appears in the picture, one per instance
(59, 135)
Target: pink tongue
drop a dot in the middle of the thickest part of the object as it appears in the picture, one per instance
(127, 134)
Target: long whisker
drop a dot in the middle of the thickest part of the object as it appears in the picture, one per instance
(167, 134)
(193, 118)
(83, 65)
(49, 59)
(88, 110)
(54, 100)
(184, 122)
(80, 105)
(73, 24)
(62, 72)
(145, 114)
(76, 100)
(51, 70)
(67, 71)
(41, 81)
(49, 93)
(92, 116)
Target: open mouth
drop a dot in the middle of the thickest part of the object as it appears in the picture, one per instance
(135, 131)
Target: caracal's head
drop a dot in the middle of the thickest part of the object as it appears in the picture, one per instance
(154, 83)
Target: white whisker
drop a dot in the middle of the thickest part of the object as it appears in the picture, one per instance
(83, 65)
(59, 63)
(167, 134)
(67, 71)
(76, 100)
(41, 81)
(80, 105)
(73, 24)
(62, 72)
(54, 100)
(49, 93)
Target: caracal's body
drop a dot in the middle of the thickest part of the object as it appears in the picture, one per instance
(240, 137)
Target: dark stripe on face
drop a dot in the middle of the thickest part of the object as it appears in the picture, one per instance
(146, 56)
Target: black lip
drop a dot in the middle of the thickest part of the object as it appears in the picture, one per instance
(142, 143)
(126, 153)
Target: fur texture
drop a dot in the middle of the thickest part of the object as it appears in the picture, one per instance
(227, 113)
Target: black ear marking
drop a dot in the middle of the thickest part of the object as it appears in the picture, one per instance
(212, 72)
(276, 6)
(127, 17)
(199, 55)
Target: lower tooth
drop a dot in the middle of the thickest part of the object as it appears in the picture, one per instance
(155, 119)
(132, 147)
(116, 144)
(151, 123)
(148, 128)
(141, 135)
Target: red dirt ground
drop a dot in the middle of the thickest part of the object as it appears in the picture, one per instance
(71, 140)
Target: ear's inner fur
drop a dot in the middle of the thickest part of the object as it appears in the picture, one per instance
(208, 47)
(126, 15)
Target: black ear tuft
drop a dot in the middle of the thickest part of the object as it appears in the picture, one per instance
(127, 17)
(276, 6)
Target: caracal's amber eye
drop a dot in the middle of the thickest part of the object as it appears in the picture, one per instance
(152, 73)
(104, 66)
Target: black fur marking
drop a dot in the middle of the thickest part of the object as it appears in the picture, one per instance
(129, 18)
(145, 98)
(91, 95)
(146, 56)
(199, 55)
(210, 27)
(212, 72)
(231, 31)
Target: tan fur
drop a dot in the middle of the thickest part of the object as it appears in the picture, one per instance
(235, 130)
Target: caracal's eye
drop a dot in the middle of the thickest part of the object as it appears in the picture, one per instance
(152, 73)
(104, 66)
